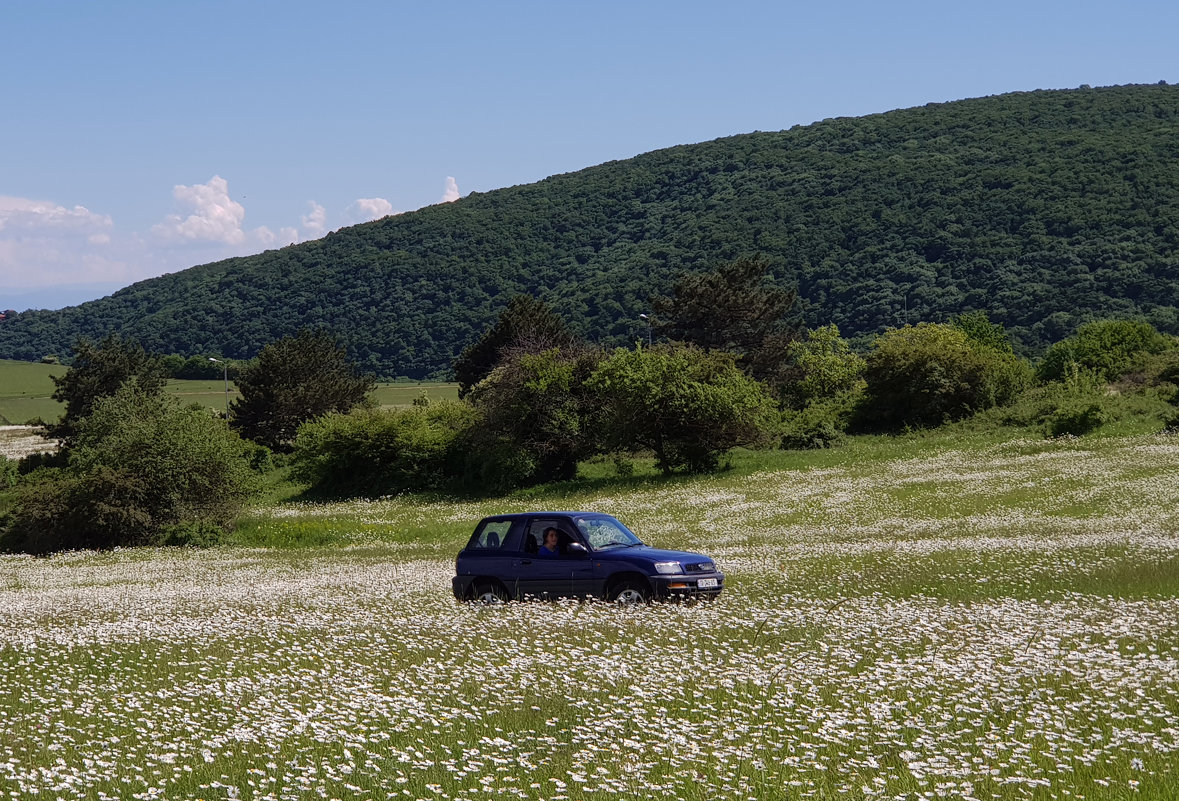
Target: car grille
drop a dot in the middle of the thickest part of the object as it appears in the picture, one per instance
(700, 567)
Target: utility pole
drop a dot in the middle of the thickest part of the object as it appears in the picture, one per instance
(648, 319)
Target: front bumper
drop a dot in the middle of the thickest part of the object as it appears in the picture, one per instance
(687, 585)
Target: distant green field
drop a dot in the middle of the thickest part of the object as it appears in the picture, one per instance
(25, 389)
(404, 394)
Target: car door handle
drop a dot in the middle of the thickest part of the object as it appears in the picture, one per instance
(525, 561)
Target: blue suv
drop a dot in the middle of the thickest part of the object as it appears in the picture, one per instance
(575, 555)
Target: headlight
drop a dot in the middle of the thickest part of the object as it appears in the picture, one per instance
(668, 567)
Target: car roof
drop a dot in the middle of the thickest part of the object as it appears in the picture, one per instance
(519, 515)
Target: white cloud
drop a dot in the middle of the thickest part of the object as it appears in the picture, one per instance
(43, 243)
(212, 215)
(18, 214)
(315, 221)
(365, 209)
(452, 190)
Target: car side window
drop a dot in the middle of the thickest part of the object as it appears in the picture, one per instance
(536, 531)
(491, 535)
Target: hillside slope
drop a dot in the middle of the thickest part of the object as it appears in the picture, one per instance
(1043, 208)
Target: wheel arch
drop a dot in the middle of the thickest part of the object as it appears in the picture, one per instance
(625, 577)
(477, 583)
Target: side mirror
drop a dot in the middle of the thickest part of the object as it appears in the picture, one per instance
(576, 549)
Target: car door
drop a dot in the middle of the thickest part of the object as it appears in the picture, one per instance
(492, 551)
(563, 576)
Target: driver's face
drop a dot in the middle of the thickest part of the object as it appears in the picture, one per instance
(550, 538)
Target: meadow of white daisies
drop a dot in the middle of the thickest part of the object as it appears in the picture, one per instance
(972, 620)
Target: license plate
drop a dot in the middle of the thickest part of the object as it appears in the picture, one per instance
(706, 583)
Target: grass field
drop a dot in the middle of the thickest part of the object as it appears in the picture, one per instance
(25, 389)
(957, 616)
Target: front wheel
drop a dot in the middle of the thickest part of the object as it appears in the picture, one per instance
(630, 593)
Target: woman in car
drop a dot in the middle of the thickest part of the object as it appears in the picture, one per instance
(550, 546)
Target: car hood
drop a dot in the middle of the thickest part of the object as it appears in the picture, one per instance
(654, 554)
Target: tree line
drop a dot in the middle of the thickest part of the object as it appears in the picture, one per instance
(1046, 210)
(726, 363)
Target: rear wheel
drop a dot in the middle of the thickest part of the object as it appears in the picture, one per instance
(630, 592)
(489, 592)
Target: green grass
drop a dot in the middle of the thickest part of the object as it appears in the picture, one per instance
(404, 394)
(26, 387)
(954, 614)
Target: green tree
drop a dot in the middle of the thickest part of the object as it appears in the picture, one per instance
(1107, 348)
(686, 405)
(926, 374)
(826, 366)
(144, 469)
(294, 380)
(527, 324)
(98, 371)
(539, 402)
(736, 309)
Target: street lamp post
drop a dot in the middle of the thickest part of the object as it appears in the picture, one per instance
(648, 319)
(225, 375)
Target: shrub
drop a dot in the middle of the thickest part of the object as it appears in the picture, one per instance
(685, 405)
(8, 472)
(979, 329)
(142, 465)
(527, 324)
(1077, 419)
(379, 452)
(927, 374)
(57, 510)
(494, 464)
(1108, 348)
(822, 424)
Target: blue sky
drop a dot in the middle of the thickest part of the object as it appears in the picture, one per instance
(138, 138)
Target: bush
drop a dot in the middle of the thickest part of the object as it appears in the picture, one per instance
(928, 374)
(142, 465)
(1077, 419)
(1107, 348)
(8, 472)
(56, 510)
(378, 452)
(685, 405)
(822, 424)
(494, 464)
(527, 324)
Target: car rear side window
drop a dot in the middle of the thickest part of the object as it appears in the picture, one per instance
(492, 535)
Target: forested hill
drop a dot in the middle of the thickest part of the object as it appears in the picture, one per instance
(1044, 209)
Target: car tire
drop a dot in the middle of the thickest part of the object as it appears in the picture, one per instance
(489, 592)
(630, 592)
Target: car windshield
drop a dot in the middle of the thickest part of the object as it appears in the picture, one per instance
(606, 532)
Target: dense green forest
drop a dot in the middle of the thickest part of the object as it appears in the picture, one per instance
(1045, 209)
